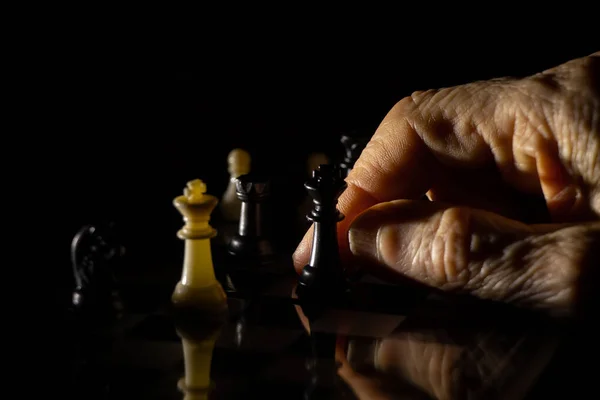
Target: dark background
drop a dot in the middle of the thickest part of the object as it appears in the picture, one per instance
(132, 118)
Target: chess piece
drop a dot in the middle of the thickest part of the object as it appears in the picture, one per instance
(238, 162)
(313, 161)
(353, 147)
(252, 241)
(198, 288)
(96, 253)
(323, 275)
(322, 367)
(198, 338)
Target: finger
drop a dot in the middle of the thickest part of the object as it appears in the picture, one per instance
(374, 387)
(394, 164)
(477, 252)
(421, 136)
(433, 361)
(501, 122)
(426, 364)
(352, 198)
(364, 388)
(485, 189)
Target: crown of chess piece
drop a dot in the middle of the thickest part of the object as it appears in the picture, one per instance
(323, 276)
(238, 162)
(252, 240)
(96, 253)
(198, 288)
(312, 162)
(353, 147)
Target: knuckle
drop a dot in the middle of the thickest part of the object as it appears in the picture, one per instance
(569, 98)
(449, 252)
(541, 271)
(421, 97)
(371, 162)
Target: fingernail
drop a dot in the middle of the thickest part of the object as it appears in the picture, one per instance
(363, 240)
(369, 238)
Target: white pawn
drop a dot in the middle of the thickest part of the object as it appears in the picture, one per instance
(238, 162)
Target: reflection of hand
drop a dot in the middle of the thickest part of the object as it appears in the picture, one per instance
(369, 387)
(481, 151)
(438, 368)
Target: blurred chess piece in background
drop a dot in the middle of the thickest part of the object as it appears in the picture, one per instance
(353, 145)
(238, 162)
(312, 163)
(96, 255)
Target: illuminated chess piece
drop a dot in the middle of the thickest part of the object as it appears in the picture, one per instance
(238, 162)
(198, 288)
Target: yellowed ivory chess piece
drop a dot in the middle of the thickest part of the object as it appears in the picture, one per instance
(198, 338)
(238, 162)
(198, 287)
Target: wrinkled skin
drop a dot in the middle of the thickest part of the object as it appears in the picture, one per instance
(483, 153)
(425, 365)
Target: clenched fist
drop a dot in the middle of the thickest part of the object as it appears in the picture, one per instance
(483, 152)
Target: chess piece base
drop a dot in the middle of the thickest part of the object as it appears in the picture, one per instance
(251, 249)
(209, 300)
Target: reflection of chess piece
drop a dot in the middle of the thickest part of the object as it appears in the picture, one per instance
(199, 333)
(198, 287)
(238, 164)
(321, 367)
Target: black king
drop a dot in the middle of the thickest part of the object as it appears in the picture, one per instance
(323, 277)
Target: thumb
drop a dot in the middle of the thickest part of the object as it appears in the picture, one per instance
(473, 251)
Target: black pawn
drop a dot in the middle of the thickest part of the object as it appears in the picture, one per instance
(252, 242)
(323, 276)
(353, 147)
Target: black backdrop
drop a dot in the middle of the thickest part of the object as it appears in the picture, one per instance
(132, 123)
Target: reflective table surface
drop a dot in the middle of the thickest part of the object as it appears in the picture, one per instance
(391, 343)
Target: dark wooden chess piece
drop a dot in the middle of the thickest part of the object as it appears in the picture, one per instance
(252, 241)
(323, 277)
(321, 366)
(96, 253)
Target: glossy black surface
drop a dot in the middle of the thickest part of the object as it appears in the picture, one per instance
(388, 342)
